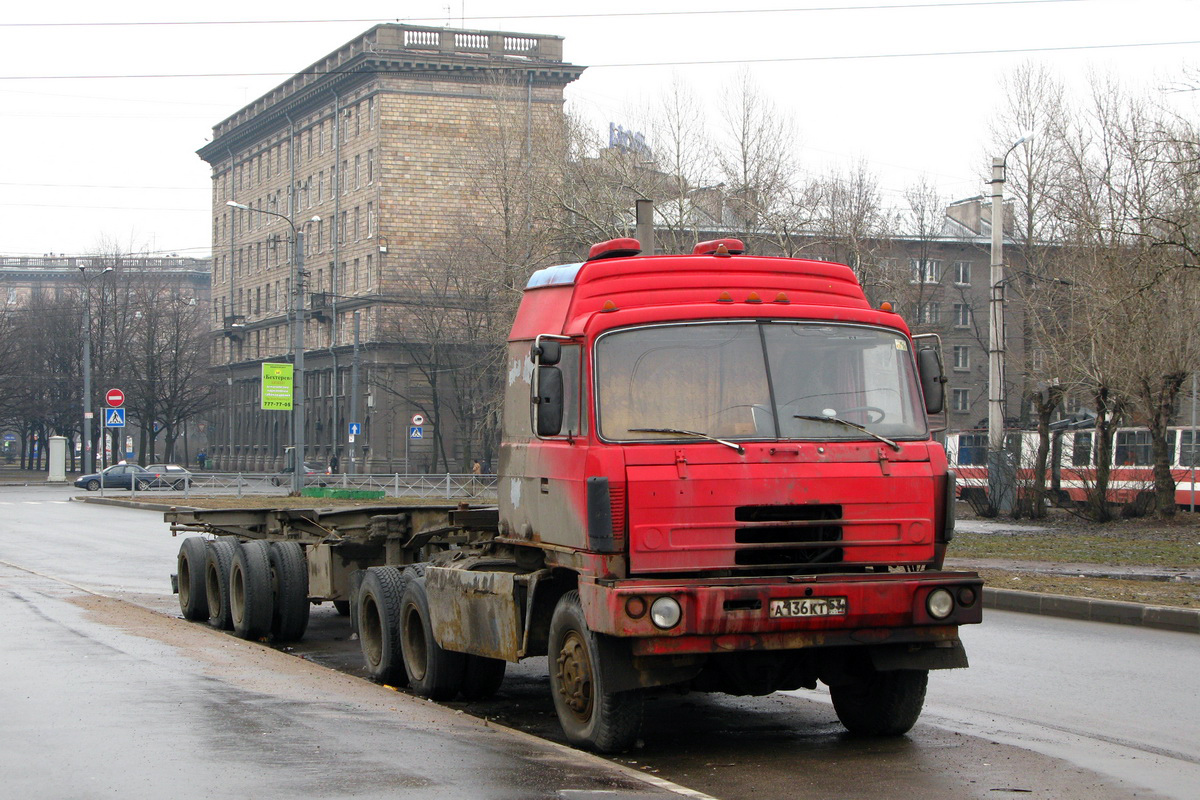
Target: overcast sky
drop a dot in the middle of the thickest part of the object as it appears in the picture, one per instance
(93, 157)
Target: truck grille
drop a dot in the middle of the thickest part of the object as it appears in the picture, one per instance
(787, 535)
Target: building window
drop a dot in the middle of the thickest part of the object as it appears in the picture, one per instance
(962, 315)
(961, 399)
(357, 169)
(341, 234)
(962, 273)
(925, 270)
(370, 167)
(929, 313)
(962, 356)
(343, 177)
(356, 228)
(370, 219)
(367, 276)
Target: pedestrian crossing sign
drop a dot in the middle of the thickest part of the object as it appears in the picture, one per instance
(415, 432)
(114, 418)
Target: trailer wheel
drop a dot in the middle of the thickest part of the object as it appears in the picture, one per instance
(193, 596)
(881, 703)
(379, 624)
(482, 677)
(289, 582)
(590, 715)
(250, 601)
(432, 672)
(216, 582)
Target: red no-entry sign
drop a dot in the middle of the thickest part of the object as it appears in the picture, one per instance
(115, 397)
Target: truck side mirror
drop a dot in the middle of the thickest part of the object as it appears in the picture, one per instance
(546, 353)
(933, 381)
(548, 401)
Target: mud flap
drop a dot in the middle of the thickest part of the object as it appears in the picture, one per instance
(474, 612)
(934, 655)
(623, 671)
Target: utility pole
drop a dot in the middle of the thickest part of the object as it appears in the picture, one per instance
(85, 451)
(354, 392)
(1001, 469)
(298, 365)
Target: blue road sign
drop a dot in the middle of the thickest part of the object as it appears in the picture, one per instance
(114, 418)
(355, 429)
(416, 432)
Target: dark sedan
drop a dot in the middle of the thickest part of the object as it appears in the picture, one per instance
(313, 476)
(118, 476)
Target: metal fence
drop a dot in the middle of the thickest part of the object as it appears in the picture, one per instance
(452, 487)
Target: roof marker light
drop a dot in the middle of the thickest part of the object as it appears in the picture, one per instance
(753, 298)
(725, 298)
(614, 248)
(732, 246)
(782, 298)
(608, 306)
(885, 306)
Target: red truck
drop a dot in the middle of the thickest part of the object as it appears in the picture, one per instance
(717, 473)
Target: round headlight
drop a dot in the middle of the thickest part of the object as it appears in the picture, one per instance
(665, 612)
(940, 603)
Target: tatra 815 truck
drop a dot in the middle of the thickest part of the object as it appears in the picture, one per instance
(717, 473)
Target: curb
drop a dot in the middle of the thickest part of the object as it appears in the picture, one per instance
(1168, 618)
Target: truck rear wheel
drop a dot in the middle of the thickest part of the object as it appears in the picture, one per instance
(250, 601)
(379, 624)
(590, 715)
(289, 584)
(216, 582)
(482, 677)
(881, 703)
(432, 671)
(193, 597)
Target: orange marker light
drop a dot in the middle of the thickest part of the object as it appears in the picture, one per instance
(754, 298)
(725, 298)
(885, 306)
(782, 298)
(609, 305)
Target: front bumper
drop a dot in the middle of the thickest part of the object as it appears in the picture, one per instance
(731, 614)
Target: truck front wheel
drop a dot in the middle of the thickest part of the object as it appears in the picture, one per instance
(881, 703)
(590, 715)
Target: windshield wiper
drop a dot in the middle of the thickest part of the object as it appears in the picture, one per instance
(848, 424)
(697, 434)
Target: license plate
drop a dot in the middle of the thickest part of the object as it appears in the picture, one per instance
(808, 607)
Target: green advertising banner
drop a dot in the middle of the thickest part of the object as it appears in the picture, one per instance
(277, 387)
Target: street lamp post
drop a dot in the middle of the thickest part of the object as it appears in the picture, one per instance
(297, 344)
(86, 452)
(1001, 473)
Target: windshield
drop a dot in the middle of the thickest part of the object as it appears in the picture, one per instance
(756, 380)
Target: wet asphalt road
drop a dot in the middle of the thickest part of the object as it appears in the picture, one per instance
(1051, 708)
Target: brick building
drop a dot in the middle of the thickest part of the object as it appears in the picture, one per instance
(367, 151)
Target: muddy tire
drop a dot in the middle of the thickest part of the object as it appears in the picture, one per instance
(289, 587)
(250, 595)
(193, 596)
(882, 703)
(590, 715)
(378, 615)
(216, 582)
(482, 677)
(432, 671)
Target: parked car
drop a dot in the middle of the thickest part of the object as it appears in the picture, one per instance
(170, 475)
(313, 476)
(118, 476)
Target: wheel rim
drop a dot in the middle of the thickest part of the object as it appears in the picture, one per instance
(574, 668)
(185, 581)
(370, 628)
(415, 648)
(237, 592)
